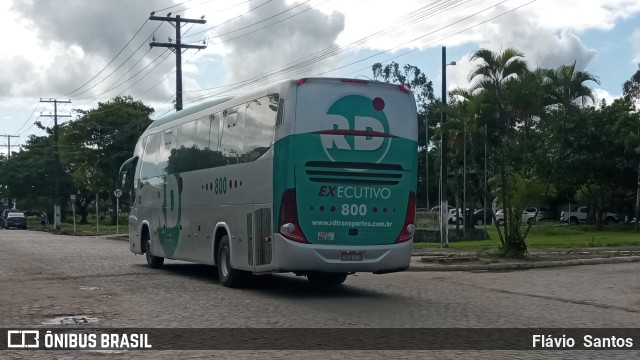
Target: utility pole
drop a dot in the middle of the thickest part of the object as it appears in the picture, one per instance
(9, 144)
(444, 140)
(177, 47)
(9, 158)
(426, 160)
(56, 159)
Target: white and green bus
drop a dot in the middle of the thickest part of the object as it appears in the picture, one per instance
(315, 176)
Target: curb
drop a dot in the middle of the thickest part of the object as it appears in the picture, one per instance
(526, 265)
(493, 267)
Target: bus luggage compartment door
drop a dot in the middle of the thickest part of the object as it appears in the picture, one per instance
(260, 237)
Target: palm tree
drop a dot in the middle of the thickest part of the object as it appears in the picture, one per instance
(567, 94)
(567, 86)
(491, 76)
(527, 99)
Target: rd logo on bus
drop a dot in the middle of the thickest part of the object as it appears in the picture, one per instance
(358, 130)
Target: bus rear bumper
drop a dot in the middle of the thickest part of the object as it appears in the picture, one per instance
(297, 257)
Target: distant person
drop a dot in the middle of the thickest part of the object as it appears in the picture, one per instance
(44, 219)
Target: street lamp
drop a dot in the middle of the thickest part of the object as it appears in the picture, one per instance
(444, 204)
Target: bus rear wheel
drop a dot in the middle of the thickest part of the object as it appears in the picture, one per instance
(154, 262)
(228, 276)
(327, 278)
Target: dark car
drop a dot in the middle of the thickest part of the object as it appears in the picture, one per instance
(479, 217)
(13, 218)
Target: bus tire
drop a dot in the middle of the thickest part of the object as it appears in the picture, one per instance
(154, 262)
(327, 278)
(228, 276)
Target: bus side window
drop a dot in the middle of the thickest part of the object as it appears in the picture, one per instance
(187, 134)
(214, 132)
(231, 144)
(259, 128)
(150, 158)
(164, 152)
(127, 181)
(202, 134)
(280, 114)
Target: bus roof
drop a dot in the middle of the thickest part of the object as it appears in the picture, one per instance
(199, 107)
(185, 112)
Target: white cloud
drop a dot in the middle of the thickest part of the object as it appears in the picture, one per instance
(542, 48)
(581, 15)
(602, 94)
(262, 51)
(53, 48)
(635, 43)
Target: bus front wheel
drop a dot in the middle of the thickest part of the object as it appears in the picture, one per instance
(229, 276)
(154, 262)
(327, 278)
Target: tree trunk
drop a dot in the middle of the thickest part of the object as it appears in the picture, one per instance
(637, 212)
(83, 211)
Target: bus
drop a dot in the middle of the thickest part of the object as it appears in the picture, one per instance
(315, 176)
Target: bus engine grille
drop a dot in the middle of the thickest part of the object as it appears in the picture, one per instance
(353, 173)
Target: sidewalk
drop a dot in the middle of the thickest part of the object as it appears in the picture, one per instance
(477, 260)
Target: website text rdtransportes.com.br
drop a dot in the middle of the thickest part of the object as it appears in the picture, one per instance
(351, 223)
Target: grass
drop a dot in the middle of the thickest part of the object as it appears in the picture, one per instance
(66, 227)
(542, 235)
(553, 235)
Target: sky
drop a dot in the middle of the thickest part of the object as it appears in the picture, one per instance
(88, 52)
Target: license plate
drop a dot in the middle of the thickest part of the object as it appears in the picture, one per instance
(352, 256)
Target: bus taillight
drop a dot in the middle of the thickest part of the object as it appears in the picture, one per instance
(288, 225)
(409, 223)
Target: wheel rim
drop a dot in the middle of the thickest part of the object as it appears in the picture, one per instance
(224, 261)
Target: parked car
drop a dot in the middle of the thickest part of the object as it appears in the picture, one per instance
(528, 216)
(453, 214)
(13, 218)
(581, 213)
(544, 214)
(479, 216)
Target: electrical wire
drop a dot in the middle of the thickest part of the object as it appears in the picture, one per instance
(433, 10)
(111, 61)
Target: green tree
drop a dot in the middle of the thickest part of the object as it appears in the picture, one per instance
(464, 129)
(415, 80)
(628, 131)
(29, 175)
(94, 146)
(631, 87)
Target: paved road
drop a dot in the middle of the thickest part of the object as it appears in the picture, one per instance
(44, 277)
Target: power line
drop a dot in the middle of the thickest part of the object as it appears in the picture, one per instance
(424, 12)
(27, 121)
(111, 61)
(320, 56)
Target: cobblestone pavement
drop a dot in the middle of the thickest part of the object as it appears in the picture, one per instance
(44, 277)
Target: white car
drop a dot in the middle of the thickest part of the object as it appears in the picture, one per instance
(453, 214)
(528, 216)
